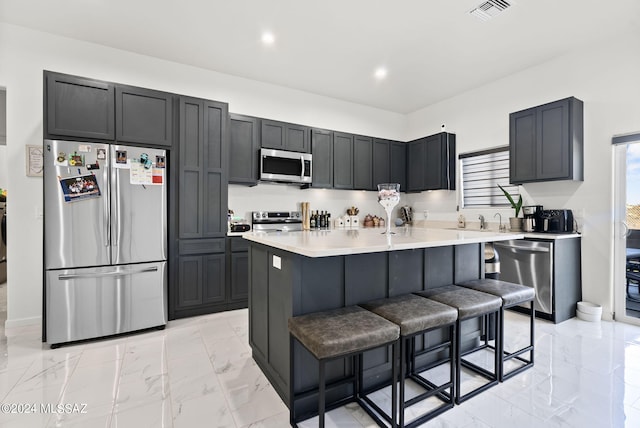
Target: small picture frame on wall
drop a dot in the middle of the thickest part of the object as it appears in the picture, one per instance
(34, 160)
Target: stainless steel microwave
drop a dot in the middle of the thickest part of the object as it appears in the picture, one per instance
(285, 167)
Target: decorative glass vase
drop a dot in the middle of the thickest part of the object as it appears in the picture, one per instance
(388, 197)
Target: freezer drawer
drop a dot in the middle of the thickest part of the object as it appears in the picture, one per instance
(96, 302)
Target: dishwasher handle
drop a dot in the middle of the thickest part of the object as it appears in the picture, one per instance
(523, 247)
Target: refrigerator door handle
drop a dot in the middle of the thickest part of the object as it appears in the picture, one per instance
(107, 223)
(106, 274)
(116, 214)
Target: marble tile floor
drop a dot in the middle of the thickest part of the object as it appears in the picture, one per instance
(198, 372)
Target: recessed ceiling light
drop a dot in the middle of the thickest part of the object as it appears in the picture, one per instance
(268, 38)
(380, 73)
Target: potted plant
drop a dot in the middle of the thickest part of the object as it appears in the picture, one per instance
(515, 222)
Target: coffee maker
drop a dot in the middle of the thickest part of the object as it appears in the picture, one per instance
(531, 217)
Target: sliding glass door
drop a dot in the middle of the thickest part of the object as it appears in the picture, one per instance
(627, 228)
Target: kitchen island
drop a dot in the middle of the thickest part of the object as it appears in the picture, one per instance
(295, 273)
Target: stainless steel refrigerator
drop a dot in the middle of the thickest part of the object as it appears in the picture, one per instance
(105, 240)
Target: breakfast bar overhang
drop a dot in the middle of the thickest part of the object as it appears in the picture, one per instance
(296, 273)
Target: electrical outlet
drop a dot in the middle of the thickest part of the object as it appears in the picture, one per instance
(425, 213)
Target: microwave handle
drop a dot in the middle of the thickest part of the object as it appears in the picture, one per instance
(302, 164)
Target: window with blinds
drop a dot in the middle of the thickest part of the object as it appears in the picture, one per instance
(481, 172)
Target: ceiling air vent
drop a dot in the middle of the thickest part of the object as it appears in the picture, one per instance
(489, 9)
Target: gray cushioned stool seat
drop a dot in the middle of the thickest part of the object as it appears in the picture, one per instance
(416, 316)
(511, 294)
(470, 303)
(413, 313)
(341, 331)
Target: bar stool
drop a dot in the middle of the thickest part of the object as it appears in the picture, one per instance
(511, 295)
(416, 315)
(470, 304)
(339, 333)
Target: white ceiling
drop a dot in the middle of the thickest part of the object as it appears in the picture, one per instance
(433, 49)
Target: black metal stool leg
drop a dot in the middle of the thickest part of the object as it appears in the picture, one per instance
(321, 397)
(403, 376)
(395, 385)
(458, 362)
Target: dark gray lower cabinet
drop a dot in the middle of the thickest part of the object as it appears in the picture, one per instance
(304, 284)
(244, 146)
(79, 108)
(202, 280)
(238, 270)
(213, 276)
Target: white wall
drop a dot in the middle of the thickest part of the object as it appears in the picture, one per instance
(605, 77)
(24, 54)
(3, 139)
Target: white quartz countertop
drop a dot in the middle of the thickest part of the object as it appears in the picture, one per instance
(338, 242)
(553, 236)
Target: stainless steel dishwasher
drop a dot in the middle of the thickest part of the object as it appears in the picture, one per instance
(529, 263)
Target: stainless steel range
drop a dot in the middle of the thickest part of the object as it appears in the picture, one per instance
(276, 221)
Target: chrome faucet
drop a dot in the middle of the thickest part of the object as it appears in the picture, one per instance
(483, 224)
(501, 227)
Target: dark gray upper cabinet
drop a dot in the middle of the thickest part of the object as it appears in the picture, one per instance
(342, 160)
(143, 116)
(431, 163)
(203, 179)
(362, 163)
(397, 164)
(78, 107)
(415, 165)
(546, 142)
(381, 162)
(243, 149)
(284, 136)
(322, 151)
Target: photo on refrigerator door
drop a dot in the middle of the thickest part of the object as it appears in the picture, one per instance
(80, 187)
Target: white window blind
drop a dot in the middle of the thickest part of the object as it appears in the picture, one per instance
(481, 174)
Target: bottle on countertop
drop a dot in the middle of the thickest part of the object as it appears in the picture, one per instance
(312, 220)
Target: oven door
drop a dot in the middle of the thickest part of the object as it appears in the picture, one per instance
(283, 166)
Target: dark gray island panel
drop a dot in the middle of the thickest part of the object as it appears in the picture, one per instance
(284, 284)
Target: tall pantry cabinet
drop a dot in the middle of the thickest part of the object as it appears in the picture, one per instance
(202, 208)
